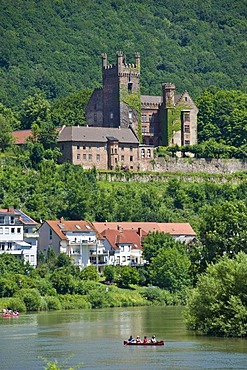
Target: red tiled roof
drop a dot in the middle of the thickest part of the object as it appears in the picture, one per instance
(116, 237)
(59, 226)
(147, 227)
(21, 136)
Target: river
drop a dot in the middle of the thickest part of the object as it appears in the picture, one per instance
(93, 339)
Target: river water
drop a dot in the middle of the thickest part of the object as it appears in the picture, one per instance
(93, 339)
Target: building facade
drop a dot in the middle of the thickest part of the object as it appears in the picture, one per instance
(78, 239)
(166, 120)
(102, 147)
(18, 235)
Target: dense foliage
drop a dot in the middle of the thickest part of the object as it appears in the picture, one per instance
(55, 46)
(218, 305)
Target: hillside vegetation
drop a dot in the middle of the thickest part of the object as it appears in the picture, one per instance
(55, 46)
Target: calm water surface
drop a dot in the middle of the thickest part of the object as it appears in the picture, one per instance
(93, 339)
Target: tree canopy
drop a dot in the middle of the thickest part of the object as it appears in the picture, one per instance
(54, 47)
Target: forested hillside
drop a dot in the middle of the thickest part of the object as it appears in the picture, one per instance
(55, 46)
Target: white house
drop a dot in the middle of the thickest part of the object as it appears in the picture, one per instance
(124, 247)
(18, 235)
(78, 239)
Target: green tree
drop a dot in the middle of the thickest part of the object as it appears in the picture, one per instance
(127, 275)
(224, 231)
(109, 273)
(170, 269)
(89, 273)
(156, 241)
(218, 305)
(34, 110)
(6, 139)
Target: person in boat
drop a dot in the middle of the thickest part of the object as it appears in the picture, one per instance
(138, 339)
(153, 339)
(131, 339)
(145, 340)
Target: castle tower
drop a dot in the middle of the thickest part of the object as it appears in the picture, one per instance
(121, 92)
(168, 90)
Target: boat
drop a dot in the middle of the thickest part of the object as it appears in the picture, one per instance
(8, 314)
(158, 343)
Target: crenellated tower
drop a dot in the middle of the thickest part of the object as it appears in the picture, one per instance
(121, 92)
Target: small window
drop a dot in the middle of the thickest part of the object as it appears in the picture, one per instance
(6, 230)
(144, 118)
(185, 98)
(186, 128)
(89, 147)
(187, 142)
(78, 156)
(115, 160)
(131, 149)
(115, 150)
(143, 153)
(84, 147)
(187, 117)
(90, 157)
(1, 219)
(84, 156)
(122, 158)
(131, 158)
(12, 230)
(50, 234)
(148, 153)
(144, 129)
(18, 230)
(1, 230)
(77, 146)
(98, 157)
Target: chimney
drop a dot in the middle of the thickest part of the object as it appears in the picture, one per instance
(61, 220)
(11, 209)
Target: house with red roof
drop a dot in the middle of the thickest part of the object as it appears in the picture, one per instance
(124, 247)
(18, 235)
(78, 239)
(181, 231)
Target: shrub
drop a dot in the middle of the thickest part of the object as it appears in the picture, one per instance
(31, 298)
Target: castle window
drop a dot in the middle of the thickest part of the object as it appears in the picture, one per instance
(78, 156)
(144, 129)
(185, 98)
(122, 158)
(89, 147)
(144, 118)
(115, 150)
(84, 147)
(187, 117)
(187, 142)
(90, 157)
(131, 158)
(122, 148)
(148, 153)
(143, 153)
(84, 156)
(111, 115)
(186, 128)
(78, 146)
(98, 157)
(131, 149)
(115, 160)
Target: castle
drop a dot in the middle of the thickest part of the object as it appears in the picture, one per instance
(165, 120)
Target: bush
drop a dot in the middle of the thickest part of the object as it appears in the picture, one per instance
(70, 302)
(31, 298)
(53, 303)
(15, 304)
